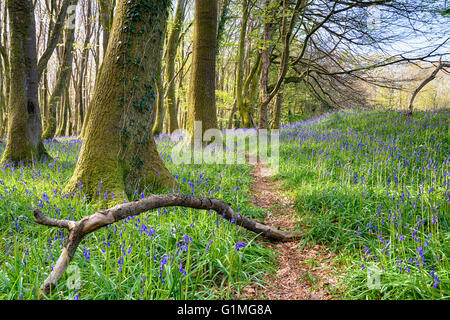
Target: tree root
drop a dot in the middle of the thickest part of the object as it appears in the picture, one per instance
(79, 229)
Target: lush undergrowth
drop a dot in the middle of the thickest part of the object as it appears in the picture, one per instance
(374, 186)
(172, 253)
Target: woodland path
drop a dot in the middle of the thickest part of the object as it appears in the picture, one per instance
(302, 273)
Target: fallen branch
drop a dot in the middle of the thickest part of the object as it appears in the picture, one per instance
(79, 229)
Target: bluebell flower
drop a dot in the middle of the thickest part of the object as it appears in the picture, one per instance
(239, 245)
(164, 260)
(181, 270)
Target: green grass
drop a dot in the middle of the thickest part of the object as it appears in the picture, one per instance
(374, 186)
(172, 253)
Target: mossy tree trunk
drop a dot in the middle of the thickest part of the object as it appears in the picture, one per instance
(251, 88)
(69, 123)
(3, 104)
(277, 108)
(82, 108)
(65, 107)
(4, 52)
(3, 107)
(224, 17)
(43, 97)
(265, 58)
(4, 74)
(182, 109)
(201, 97)
(106, 17)
(241, 105)
(82, 85)
(159, 111)
(171, 52)
(63, 75)
(24, 117)
(118, 152)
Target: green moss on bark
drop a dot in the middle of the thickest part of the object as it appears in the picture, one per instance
(24, 142)
(202, 98)
(172, 45)
(64, 72)
(118, 151)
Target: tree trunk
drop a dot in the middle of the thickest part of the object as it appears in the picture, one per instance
(24, 117)
(231, 116)
(4, 74)
(83, 70)
(172, 45)
(265, 60)
(430, 78)
(83, 110)
(69, 125)
(2, 106)
(286, 33)
(224, 17)
(159, 112)
(119, 153)
(54, 36)
(4, 52)
(250, 90)
(241, 106)
(106, 9)
(44, 98)
(64, 73)
(65, 107)
(277, 109)
(202, 97)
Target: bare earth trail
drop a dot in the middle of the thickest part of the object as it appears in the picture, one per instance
(303, 273)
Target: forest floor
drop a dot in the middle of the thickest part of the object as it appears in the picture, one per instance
(303, 271)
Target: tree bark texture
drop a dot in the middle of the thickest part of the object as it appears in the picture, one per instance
(119, 153)
(63, 75)
(171, 52)
(24, 116)
(55, 34)
(265, 61)
(160, 110)
(277, 108)
(202, 97)
(241, 106)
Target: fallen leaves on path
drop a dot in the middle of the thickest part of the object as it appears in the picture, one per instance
(304, 272)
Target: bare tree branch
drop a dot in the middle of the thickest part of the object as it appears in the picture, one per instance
(79, 229)
(430, 78)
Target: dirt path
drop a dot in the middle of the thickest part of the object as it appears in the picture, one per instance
(303, 274)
